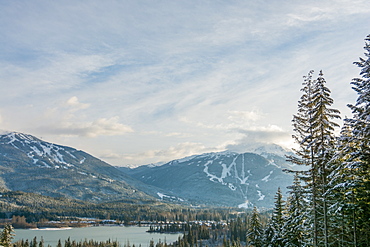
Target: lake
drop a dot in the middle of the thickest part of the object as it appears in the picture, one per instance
(134, 234)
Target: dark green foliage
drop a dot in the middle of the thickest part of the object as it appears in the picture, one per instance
(7, 236)
(68, 243)
(255, 231)
(27, 209)
(351, 176)
(295, 229)
(314, 127)
(274, 232)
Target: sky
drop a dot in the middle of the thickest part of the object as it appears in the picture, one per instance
(134, 82)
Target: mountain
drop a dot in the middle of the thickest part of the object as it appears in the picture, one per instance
(222, 179)
(32, 165)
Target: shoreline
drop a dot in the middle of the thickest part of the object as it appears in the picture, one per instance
(49, 228)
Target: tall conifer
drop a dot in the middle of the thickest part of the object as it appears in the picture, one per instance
(314, 128)
(294, 229)
(358, 161)
(255, 231)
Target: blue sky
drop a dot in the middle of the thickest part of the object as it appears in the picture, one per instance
(136, 82)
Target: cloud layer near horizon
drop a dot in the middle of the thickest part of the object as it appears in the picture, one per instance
(136, 82)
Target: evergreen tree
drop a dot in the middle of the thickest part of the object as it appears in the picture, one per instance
(361, 136)
(295, 229)
(356, 161)
(342, 191)
(277, 221)
(314, 132)
(7, 236)
(304, 154)
(323, 143)
(269, 234)
(255, 232)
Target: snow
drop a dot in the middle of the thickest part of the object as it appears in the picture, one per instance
(31, 157)
(46, 165)
(212, 177)
(161, 195)
(226, 172)
(36, 150)
(232, 187)
(247, 204)
(267, 178)
(261, 196)
(71, 155)
(272, 162)
(269, 149)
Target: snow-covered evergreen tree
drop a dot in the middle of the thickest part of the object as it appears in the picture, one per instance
(294, 230)
(342, 191)
(323, 143)
(7, 236)
(255, 231)
(357, 159)
(314, 132)
(277, 220)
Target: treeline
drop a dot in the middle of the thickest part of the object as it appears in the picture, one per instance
(67, 243)
(244, 230)
(27, 210)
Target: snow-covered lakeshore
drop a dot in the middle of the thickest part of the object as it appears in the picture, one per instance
(50, 229)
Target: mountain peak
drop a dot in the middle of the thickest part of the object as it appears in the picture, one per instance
(222, 178)
(260, 148)
(270, 149)
(13, 136)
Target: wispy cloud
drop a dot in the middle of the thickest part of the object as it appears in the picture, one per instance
(181, 150)
(69, 120)
(98, 127)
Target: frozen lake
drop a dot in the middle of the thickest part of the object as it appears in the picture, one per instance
(134, 234)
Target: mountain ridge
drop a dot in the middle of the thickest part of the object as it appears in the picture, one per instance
(226, 178)
(223, 178)
(32, 165)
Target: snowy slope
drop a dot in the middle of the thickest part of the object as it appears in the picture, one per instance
(33, 165)
(227, 178)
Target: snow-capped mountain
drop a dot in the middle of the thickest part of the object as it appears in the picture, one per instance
(225, 179)
(33, 165)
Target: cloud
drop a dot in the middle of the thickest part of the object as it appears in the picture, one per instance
(178, 151)
(237, 116)
(75, 104)
(109, 154)
(260, 135)
(99, 127)
(73, 118)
